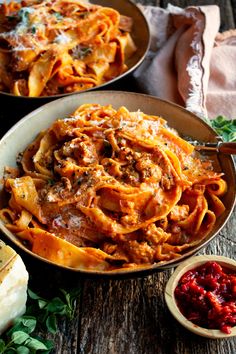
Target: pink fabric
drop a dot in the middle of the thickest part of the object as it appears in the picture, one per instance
(189, 62)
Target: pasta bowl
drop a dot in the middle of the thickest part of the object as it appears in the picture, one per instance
(187, 124)
(95, 61)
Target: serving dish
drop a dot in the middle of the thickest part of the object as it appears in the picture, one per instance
(139, 33)
(186, 123)
(187, 265)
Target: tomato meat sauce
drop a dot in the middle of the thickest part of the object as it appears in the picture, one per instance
(206, 296)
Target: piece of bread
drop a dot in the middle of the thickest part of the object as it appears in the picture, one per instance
(13, 286)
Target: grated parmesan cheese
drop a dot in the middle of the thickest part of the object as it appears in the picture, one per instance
(62, 38)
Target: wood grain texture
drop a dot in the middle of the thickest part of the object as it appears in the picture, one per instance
(129, 316)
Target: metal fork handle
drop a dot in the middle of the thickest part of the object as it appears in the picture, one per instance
(221, 146)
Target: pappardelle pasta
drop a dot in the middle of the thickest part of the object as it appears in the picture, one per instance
(61, 46)
(106, 189)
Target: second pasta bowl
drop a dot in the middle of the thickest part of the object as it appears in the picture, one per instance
(55, 49)
(98, 183)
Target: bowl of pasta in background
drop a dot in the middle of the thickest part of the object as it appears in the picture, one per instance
(136, 229)
(47, 53)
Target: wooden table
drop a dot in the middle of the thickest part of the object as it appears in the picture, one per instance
(129, 316)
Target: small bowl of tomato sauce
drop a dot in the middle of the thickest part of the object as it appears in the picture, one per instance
(201, 295)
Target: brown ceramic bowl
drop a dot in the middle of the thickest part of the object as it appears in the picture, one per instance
(186, 123)
(140, 34)
(188, 264)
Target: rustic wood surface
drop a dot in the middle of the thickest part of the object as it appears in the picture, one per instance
(129, 316)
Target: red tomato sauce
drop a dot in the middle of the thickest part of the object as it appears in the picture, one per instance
(206, 296)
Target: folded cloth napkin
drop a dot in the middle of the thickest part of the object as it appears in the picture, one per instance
(189, 62)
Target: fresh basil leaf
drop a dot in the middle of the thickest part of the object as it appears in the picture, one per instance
(219, 121)
(224, 127)
(42, 303)
(232, 136)
(35, 344)
(18, 327)
(25, 323)
(29, 322)
(51, 323)
(71, 298)
(22, 350)
(32, 295)
(19, 337)
(224, 135)
(56, 306)
(48, 343)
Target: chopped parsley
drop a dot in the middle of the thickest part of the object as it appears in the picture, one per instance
(51, 182)
(58, 16)
(33, 29)
(23, 13)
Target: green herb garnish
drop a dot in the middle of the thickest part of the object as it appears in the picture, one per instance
(58, 16)
(51, 182)
(33, 29)
(24, 13)
(19, 340)
(41, 314)
(226, 128)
